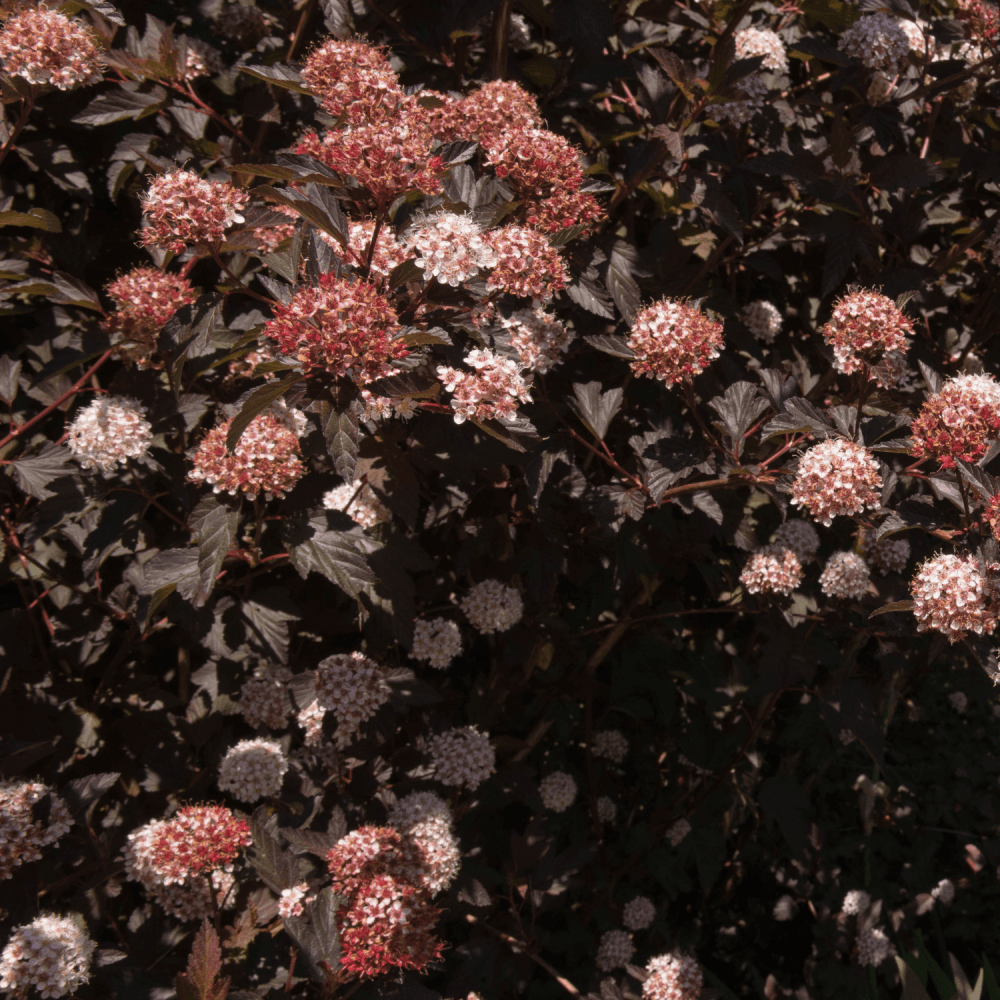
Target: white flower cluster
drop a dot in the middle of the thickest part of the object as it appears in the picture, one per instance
(108, 432)
(772, 570)
(51, 954)
(762, 319)
(558, 790)
(353, 688)
(944, 891)
(253, 769)
(837, 477)
(264, 699)
(856, 901)
(874, 947)
(951, 595)
(491, 606)
(462, 757)
(752, 42)
(673, 977)
(428, 824)
(22, 835)
(615, 950)
(450, 248)
(784, 908)
(845, 575)
(436, 641)
(876, 40)
(889, 555)
(638, 913)
(359, 502)
(538, 337)
(293, 901)
(606, 809)
(610, 744)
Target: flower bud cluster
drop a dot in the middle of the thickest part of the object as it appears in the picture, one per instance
(492, 606)
(610, 744)
(753, 42)
(293, 901)
(837, 477)
(615, 950)
(673, 977)
(539, 338)
(264, 698)
(359, 502)
(959, 421)
(673, 341)
(874, 947)
(951, 594)
(749, 95)
(183, 210)
(558, 791)
(763, 320)
(846, 575)
(44, 46)
(800, 536)
(888, 555)
(353, 687)
(524, 264)
(253, 769)
(427, 823)
(772, 569)
(638, 913)
(52, 954)
(462, 757)
(353, 80)
(865, 328)
(22, 835)
(876, 40)
(265, 461)
(436, 641)
(108, 432)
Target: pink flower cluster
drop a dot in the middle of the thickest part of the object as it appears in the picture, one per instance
(952, 595)
(493, 391)
(539, 338)
(673, 341)
(837, 477)
(450, 248)
(353, 81)
(265, 461)
(183, 210)
(772, 569)
(146, 298)
(342, 327)
(524, 264)
(388, 919)
(44, 46)
(673, 977)
(959, 421)
(865, 328)
(22, 835)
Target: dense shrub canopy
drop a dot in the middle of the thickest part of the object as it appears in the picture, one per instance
(497, 498)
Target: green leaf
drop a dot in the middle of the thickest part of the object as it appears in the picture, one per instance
(258, 400)
(213, 527)
(315, 547)
(35, 218)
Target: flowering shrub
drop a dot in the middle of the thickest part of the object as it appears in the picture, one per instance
(498, 499)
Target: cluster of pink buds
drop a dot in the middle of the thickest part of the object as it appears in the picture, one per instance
(524, 263)
(959, 421)
(145, 299)
(44, 46)
(388, 920)
(353, 80)
(673, 341)
(865, 328)
(837, 477)
(265, 461)
(342, 327)
(183, 210)
(486, 114)
(493, 391)
(772, 569)
(952, 594)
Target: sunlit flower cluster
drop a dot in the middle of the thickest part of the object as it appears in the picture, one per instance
(450, 247)
(353, 81)
(959, 421)
(524, 263)
(772, 569)
(491, 391)
(753, 42)
(359, 501)
(952, 595)
(44, 46)
(145, 299)
(673, 977)
(865, 328)
(539, 338)
(183, 210)
(108, 432)
(673, 341)
(52, 955)
(837, 477)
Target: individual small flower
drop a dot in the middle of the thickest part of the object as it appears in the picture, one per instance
(611, 744)
(253, 769)
(339, 326)
(52, 955)
(800, 536)
(539, 338)
(450, 247)
(673, 341)
(524, 263)
(673, 977)
(678, 832)
(436, 641)
(353, 687)
(837, 477)
(492, 606)
(959, 701)
(748, 96)
(265, 461)
(762, 319)
(951, 595)
(183, 210)
(44, 46)
(753, 42)
(264, 699)
(108, 432)
(888, 555)
(462, 757)
(959, 421)
(876, 40)
(944, 891)
(359, 501)
(784, 909)
(22, 835)
(558, 790)
(545, 172)
(145, 299)
(866, 327)
(856, 902)
(846, 575)
(353, 80)
(491, 392)
(874, 947)
(772, 569)
(638, 913)
(606, 809)
(293, 901)
(615, 950)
